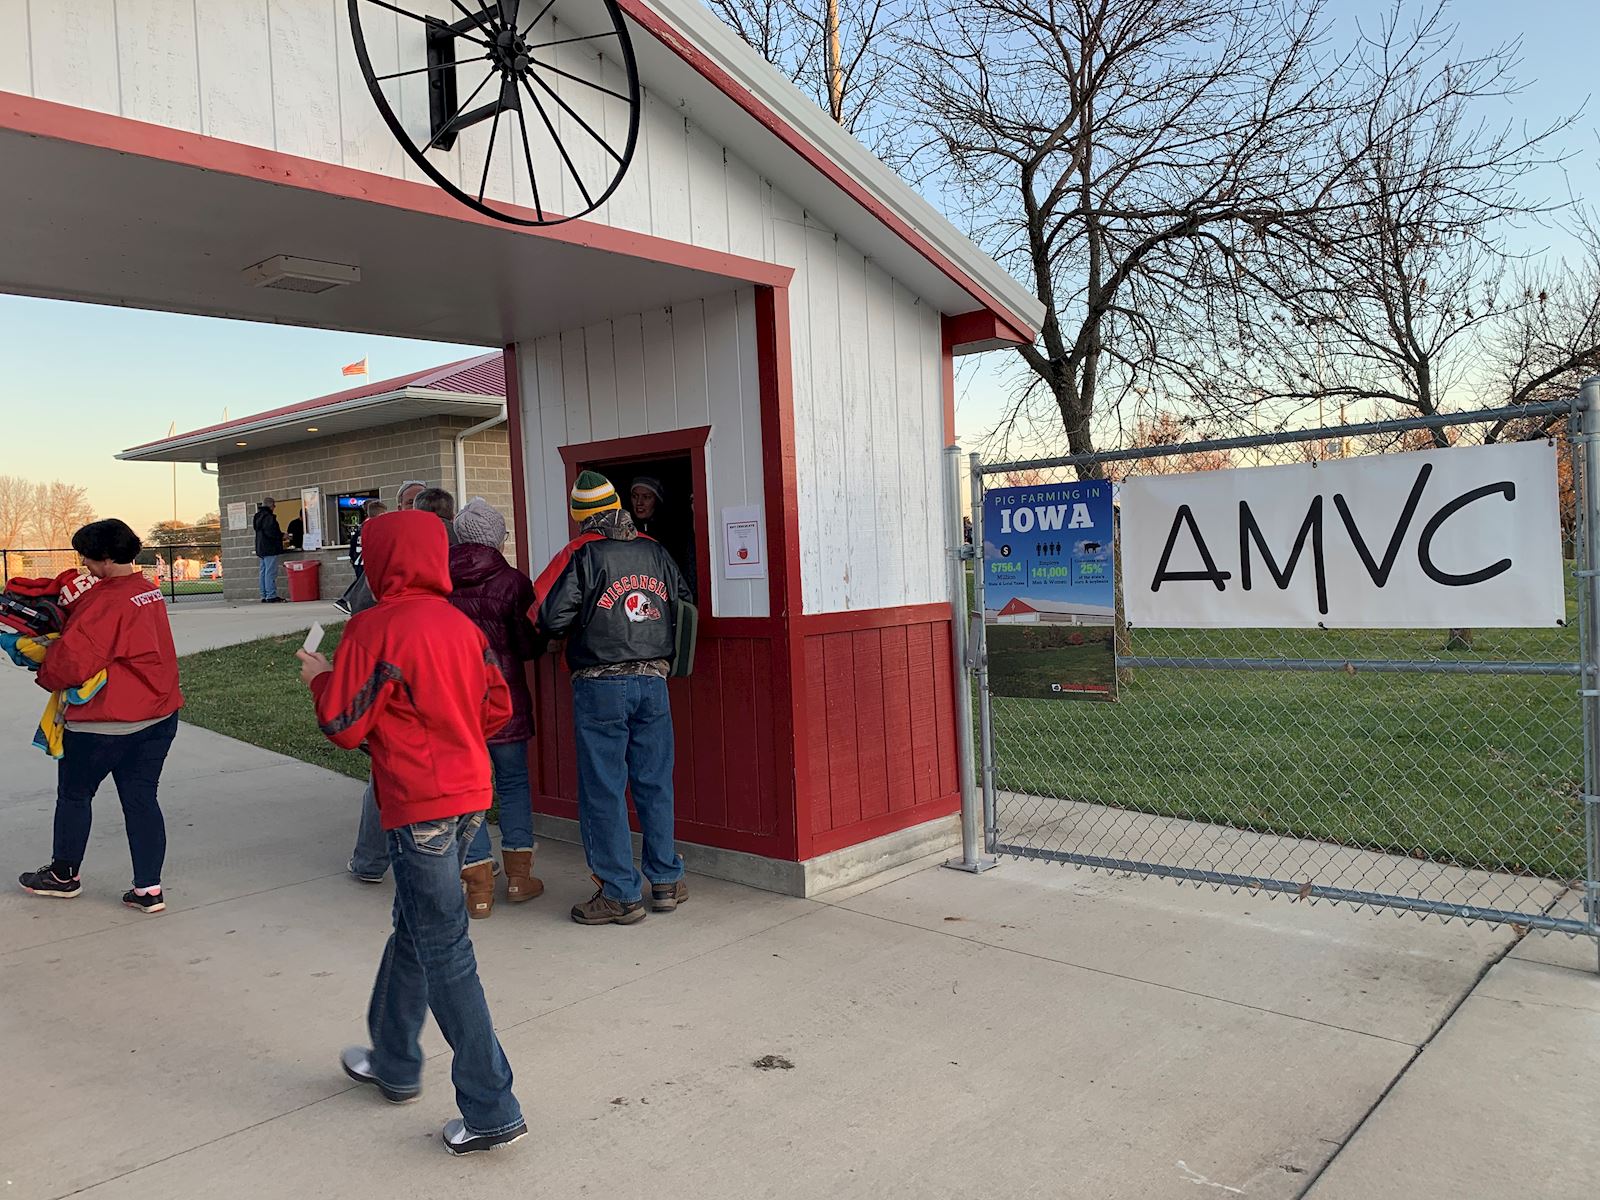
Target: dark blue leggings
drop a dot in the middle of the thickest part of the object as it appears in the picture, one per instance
(134, 762)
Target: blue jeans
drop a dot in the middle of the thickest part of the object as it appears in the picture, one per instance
(371, 856)
(269, 577)
(510, 762)
(134, 762)
(624, 735)
(429, 964)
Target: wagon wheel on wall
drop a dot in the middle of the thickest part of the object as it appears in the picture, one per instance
(500, 56)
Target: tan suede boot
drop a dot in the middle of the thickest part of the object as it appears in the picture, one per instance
(479, 881)
(520, 882)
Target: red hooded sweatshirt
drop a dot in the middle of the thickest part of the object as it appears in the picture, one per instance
(120, 626)
(414, 679)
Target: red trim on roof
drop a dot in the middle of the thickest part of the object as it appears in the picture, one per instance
(669, 36)
(65, 122)
(483, 375)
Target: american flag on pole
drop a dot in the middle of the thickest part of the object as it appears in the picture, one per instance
(357, 368)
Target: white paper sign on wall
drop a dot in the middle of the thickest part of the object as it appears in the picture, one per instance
(311, 515)
(236, 515)
(1461, 537)
(744, 548)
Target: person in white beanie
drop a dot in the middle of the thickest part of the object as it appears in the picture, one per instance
(497, 597)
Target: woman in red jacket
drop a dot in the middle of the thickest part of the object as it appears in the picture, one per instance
(118, 626)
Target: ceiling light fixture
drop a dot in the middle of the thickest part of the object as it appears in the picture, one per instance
(287, 274)
(241, 443)
(311, 428)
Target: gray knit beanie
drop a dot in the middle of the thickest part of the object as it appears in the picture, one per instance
(480, 522)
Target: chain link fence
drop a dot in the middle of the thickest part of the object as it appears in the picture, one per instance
(1437, 771)
(182, 571)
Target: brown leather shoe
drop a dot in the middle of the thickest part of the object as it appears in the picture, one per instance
(479, 881)
(599, 909)
(664, 897)
(520, 881)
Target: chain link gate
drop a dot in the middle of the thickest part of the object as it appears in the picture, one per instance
(1450, 775)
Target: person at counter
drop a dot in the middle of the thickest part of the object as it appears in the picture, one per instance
(269, 548)
(647, 503)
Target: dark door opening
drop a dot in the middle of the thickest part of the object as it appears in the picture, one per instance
(658, 489)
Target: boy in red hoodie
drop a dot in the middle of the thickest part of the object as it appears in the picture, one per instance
(125, 730)
(413, 679)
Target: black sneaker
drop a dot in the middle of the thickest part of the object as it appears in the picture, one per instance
(145, 904)
(45, 882)
(458, 1139)
(358, 1066)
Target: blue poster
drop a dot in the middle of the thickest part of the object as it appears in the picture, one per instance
(1047, 554)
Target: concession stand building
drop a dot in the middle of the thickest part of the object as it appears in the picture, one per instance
(694, 275)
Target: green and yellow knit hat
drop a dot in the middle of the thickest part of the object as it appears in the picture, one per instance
(592, 495)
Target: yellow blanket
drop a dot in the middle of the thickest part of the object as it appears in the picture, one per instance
(29, 652)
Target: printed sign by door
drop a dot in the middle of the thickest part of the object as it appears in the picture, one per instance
(1049, 574)
(1460, 537)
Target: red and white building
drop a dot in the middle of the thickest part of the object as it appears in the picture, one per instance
(761, 303)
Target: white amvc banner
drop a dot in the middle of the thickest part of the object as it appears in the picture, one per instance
(1463, 537)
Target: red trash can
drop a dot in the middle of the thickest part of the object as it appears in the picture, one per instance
(305, 579)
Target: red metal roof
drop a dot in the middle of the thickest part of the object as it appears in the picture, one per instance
(483, 375)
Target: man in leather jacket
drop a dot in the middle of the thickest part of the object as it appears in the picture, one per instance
(612, 594)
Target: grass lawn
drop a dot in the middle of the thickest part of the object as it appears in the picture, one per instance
(1481, 771)
(193, 587)
(253, 692)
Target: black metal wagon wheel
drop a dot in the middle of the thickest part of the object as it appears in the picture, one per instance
(492, 63)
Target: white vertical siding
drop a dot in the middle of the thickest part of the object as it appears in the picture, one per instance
(868, 408)
(652, 372)
(16, 65)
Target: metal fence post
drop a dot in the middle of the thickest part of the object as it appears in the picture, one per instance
(980, 659)
(1588, 516)
(970, 859)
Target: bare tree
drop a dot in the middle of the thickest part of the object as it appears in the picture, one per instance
(796, 38)
(16, 511)
(1407, 294)
(1168, 429)
(1128, 156)
(59, 510)
(1219, 207)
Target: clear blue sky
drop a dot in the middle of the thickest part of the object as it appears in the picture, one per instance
(88, 381)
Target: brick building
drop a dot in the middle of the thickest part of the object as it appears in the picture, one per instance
(322, 458)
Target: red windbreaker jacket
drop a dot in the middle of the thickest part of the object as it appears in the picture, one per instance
(119, 626)
(414, 679)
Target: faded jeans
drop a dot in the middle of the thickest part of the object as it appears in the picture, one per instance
(269, 577)
(429, 964)
(624, 736)
(371, 856)
(510, 762)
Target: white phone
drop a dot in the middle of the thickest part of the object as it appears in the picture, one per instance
(313, 638)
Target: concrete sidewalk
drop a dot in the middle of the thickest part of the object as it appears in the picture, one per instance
(1034, 1031)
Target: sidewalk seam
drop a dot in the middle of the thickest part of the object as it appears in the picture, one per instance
(1316, 1176)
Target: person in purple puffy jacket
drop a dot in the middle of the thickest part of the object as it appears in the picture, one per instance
(497, 597)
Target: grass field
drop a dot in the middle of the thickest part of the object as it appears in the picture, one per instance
(1480, 771)
(253, 692)
(1026, 660)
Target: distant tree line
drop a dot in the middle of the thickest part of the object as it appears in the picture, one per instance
(36, 515)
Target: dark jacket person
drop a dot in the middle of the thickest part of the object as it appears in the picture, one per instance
(269, 545)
